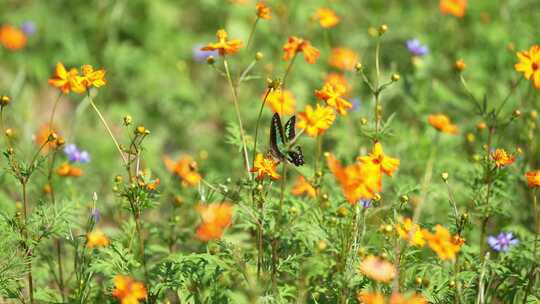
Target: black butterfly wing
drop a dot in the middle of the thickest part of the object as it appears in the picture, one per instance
(275, 128)
(290, 127)
(296, 157)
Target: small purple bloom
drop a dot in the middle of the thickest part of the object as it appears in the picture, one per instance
(365, 203)
(200, 55)
(75, 155)
(502, 242)
(96, 215)
(356, 103)
(28, 27)
(416, 48)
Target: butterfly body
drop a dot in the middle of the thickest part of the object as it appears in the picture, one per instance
(284, 149)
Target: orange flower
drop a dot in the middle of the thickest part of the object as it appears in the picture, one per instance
(298, 45)
(387, 164)
(395, 298)
(302, 187)
(502, 158)
(533, 179)
(327, 17)
(336, 79)
(96, 238)
(265, 167)
(42, 137)
(529, 65)
(332, 95)
(315, 122)
(343, 59)
(224, 46)
(185, 168)
(460, 65)
(358, 181)
(442, 123)
(442, 242)
(68, 170)
(377, 269)
(215, 218)
(92, 78)
(67, 81)
(128, 291)
(263, 11)
(370, 298)
(453, 7)
(12, 38)
(281, 102)
(404, 229)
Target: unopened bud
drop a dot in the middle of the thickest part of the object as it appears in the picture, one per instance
(210, 60)
(127, 120)
(4, 101)
(516, 113)
(444, 176)
(259, 56)
(140, 130)
(358, 66)
(395, 77)
(383, 29)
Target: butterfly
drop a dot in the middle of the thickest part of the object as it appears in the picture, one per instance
(287, 134)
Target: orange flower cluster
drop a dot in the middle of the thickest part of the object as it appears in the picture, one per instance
(377, 269)
(224, 46)
(327, 17)
(502, 158)
(453, 7)
(215, 218)
(395, 298)
(442, 123)
(316, 121)
(264, 167)
(363, 179)
(128, 291)
(303, 187)
(297, 45)
(533, 179)
(343, 59)
(263, 11)
(332, 95)
(67, 170)
(281, 102)
(529, 65)
(443, 243)
(96, 238)
(185, 169)
(68, 81)
(404, 230)
(12, 38)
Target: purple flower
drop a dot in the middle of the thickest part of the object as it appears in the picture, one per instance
(502, 242)
(416, 48)
(356, 103)
(200, 55)
(96, 215)
(75, 155)
(365, 203)
(28, 27)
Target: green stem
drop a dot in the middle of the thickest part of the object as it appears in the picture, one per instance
(252, 33)
(288, 70)
(254, 154)
(27, 247)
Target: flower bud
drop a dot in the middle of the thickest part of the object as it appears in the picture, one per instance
(470, 137)
(444, 176)
(404, 199)
(322, 245)
(358, 66)
(259, 56)
(343, 212)
(481, 126)
(516, 113)
(533, 114)
(4, 101)
(140, 130)
(127, 120)
(210, 60)
(383, 29)
(395, 77)
(260, 187)
(363, 121)
(52, 137)
(177, 201)
(460, 65)
(318, 173)
(9, 132)
(377, 197)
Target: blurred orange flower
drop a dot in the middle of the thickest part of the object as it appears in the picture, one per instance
(303, 187)
(343, 59)
(443, 243)
(185, 168)
(281, 102)
(502, 158)
(315, 122)
(223, 46)
(67, 170)
(42, 137)
(215, 218)
(395, 298)
(128, 291)
(332, 95)
(533, 179)
(377, 269)
(442, 123)
(327, 17)
(298, 45)
(263, 11)
(12, 38)
(337, 79)
(453, 7)
(404, 229)
(92, 78)
(460, 65)
(264, 167)
(96, 238)
(371, 298)
(67, 81)
(358, 181)
(529, 65)
(386, 164)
